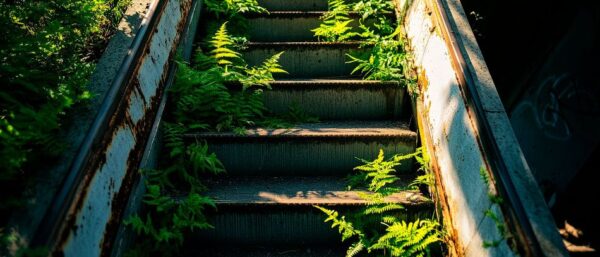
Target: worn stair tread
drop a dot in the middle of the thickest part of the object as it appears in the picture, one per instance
(269, 251)
(330, 129)
(320, 190)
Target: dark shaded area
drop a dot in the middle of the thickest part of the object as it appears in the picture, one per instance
(517, 39)
(571, 206)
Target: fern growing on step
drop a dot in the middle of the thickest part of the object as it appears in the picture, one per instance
(387, 59)
(232, 8)
(222, 51)
(379, 227)
(336, 23)
(262, 75)
(186, 212)
(408, 239)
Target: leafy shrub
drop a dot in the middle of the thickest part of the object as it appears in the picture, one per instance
(48, 50)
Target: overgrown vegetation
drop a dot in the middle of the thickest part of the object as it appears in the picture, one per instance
(387, 58)
(201, 100)
(231, 8)
(336, 23)
(379, 227)
(48, 50)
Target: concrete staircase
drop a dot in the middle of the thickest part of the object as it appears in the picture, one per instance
(274, 177)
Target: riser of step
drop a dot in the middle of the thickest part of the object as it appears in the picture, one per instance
(270, 29)
(228, 250)
(302, 157)
(340, 101)
(305, 59)
(296, 5)
(326, 148)
(290, 26)
(290, 225)
(280, 210)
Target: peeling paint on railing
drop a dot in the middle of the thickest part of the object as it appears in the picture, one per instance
(93, 218)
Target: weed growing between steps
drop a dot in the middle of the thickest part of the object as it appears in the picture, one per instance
(378, 228)
(201, 100)
(388, 59)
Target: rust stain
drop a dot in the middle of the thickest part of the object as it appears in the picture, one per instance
(119, 120)
(141, 131)
(440, 199)
(422, 81)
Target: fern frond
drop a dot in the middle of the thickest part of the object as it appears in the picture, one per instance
(222, 45)
(355, 249)
(336, 23)
(380, 209)
(261, 76)
(346, 229)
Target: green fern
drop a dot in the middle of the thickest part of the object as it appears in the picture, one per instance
(222, 48)
(232, 8)
(346, 229)
(409, 239)
(373, 8)
(387, 59)
(261, 76)
(336, 23)
(380, 226)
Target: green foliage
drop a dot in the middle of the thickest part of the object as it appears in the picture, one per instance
(222, 52)
(373, 8)
(380, 173)
(386, 57)
(386, 60)
(409, 239)
(336, 23)
(168, 217)
(201, 96)
(379, 227)
(201, 101)
(231, 8)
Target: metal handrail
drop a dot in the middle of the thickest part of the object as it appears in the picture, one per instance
(48, 231)
(512, 207)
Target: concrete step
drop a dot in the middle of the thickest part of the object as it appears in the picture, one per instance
(290, 25)
(294, 5)
(327, 148)
(280, 210)
(306, 59)
(338, 99)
